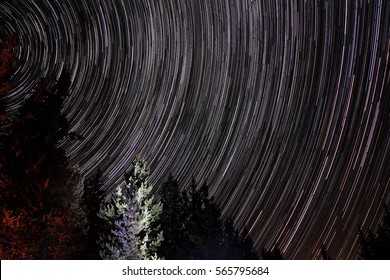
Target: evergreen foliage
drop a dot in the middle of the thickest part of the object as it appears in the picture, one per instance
(193, 228)
(324, 253)
(247, 248)
(119, 216)
(173, 220)
(230, 241)
(8, 62)
(132, 216)
(92, 199)
(41, 214)
(7, 67)
(204, 224)
(376, 246)
(272, 254)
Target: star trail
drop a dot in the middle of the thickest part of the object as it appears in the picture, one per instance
(281, 106)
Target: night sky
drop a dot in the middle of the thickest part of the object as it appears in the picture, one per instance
(281, 106)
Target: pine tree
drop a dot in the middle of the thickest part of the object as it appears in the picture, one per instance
(7, 67)
(92, 199)
(199, 231)
(247, 249)
(41, 217)
(236, 247)
(231, 241)
(324, 253)
(204, 225)
(8, 62)
(376, 246)
(272, 254)
(119, 216)
(192, 226)
(132, 217)
(174, 221)
(213, 225)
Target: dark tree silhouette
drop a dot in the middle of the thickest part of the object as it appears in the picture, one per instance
(205, 227)
(193, 228)
(272, 254)
(40, 199)
(234, 247)
(247, 249)
(8, 62)
(376, 246)
(7, 67)
(92, 199)
(324, 253)
(231, 242)
(173, 221)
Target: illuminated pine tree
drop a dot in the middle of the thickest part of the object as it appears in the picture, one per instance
(118, 241)
(132, 217)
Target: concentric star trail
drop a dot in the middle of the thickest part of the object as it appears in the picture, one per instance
(281, 106)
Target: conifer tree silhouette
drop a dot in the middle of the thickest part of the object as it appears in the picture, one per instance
(376, 246)
(41, 217)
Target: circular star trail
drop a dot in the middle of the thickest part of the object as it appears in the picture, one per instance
(281, 106)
